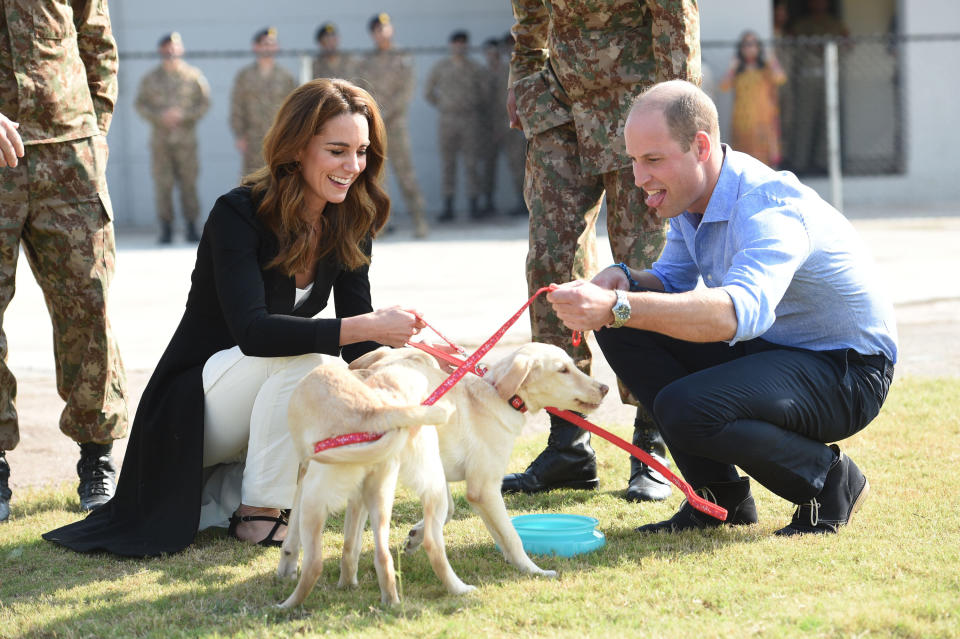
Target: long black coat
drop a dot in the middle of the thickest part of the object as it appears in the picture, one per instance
(234, 299)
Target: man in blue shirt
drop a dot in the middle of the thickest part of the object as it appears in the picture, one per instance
(758, 337)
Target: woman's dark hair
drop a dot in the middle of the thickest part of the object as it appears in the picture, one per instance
(761, 56)
(343, 228)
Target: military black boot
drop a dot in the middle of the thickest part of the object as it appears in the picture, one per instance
(97, 475)
(166, 233)
(734, 495)
(447, 215)
(5, 493)
(568, 461)
(646, 484)
(191, 234)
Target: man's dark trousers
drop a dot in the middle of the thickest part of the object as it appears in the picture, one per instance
(766, 408)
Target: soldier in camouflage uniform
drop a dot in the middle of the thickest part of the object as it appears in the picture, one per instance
(57, 95)
(172, 98)
(258, 91)
(456, 87)
(576, 67)
(330, 62)
(497, 137)
(388, 75)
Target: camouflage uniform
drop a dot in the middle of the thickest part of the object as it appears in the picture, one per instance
(498, 137)
(388, 75)
(339, 65)
(456, 87)
(58, 78)
(174, 150)
(253, 103)
(575, 69)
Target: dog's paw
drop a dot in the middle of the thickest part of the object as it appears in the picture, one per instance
(547, 574)
(287, 570)
(346, 582)
(414, 541)
(462, 589)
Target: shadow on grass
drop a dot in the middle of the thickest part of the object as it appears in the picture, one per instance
(220, 586)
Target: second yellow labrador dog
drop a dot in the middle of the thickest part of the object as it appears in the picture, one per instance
(475, 444)
(332, 401)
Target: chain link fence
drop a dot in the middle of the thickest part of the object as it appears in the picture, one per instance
(845, 115)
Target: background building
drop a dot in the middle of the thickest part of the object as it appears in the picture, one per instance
(896, 96)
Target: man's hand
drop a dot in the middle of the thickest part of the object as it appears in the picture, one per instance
(11, 146)
(172, 117)
(583, 306)
(611, 278)
(512, 110)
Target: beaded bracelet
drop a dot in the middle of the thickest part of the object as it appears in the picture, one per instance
(626, 271)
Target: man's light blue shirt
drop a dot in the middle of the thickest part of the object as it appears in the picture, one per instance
(794, 267)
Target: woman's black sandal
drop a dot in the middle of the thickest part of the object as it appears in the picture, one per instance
(268, 541)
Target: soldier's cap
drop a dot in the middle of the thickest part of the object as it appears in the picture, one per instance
(266, 32)
(459, 36)
(378, 20)
(326, 29)
(170, 37)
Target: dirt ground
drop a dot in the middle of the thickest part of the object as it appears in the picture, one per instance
(929, 347)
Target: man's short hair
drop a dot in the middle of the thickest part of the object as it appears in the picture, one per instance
(378, 21)
(686, 108)
(460, 36)
(491, 43)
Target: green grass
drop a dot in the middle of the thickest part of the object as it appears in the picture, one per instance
(894, 572)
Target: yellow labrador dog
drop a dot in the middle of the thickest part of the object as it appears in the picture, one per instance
(475, 444)
(333, 401)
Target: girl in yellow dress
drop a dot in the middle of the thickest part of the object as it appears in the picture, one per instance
(755, 77)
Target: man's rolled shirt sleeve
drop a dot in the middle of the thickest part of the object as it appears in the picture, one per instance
(774, 244)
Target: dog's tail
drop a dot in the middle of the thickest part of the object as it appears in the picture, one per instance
(393, 422)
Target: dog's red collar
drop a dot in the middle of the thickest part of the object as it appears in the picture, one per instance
(518, 404)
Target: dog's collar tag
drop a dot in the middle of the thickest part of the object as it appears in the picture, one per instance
(518, 404)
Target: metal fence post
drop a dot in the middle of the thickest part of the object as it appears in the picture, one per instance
(832, 90)
(306, 69)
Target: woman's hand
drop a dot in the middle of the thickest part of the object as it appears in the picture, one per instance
(393, 326)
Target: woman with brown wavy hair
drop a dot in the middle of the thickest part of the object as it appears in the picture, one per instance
(209, 444)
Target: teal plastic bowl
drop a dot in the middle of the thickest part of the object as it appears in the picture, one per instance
(558, 534)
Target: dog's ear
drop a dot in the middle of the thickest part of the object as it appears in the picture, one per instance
(508, 385)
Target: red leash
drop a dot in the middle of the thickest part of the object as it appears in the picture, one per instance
(470, 365)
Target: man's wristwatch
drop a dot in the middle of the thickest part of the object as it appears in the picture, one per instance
(621, 310)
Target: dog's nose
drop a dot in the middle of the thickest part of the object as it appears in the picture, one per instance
(603, 390)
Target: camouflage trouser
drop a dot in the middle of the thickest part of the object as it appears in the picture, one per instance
(398, 155)
(56, 204)
(564, 203)
(175, 162)
(457, 137)
(513, 145)
(253, 156)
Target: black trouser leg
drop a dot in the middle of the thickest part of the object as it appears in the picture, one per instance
(768, 409)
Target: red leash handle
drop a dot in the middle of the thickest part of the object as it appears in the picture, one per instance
(695, 500)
